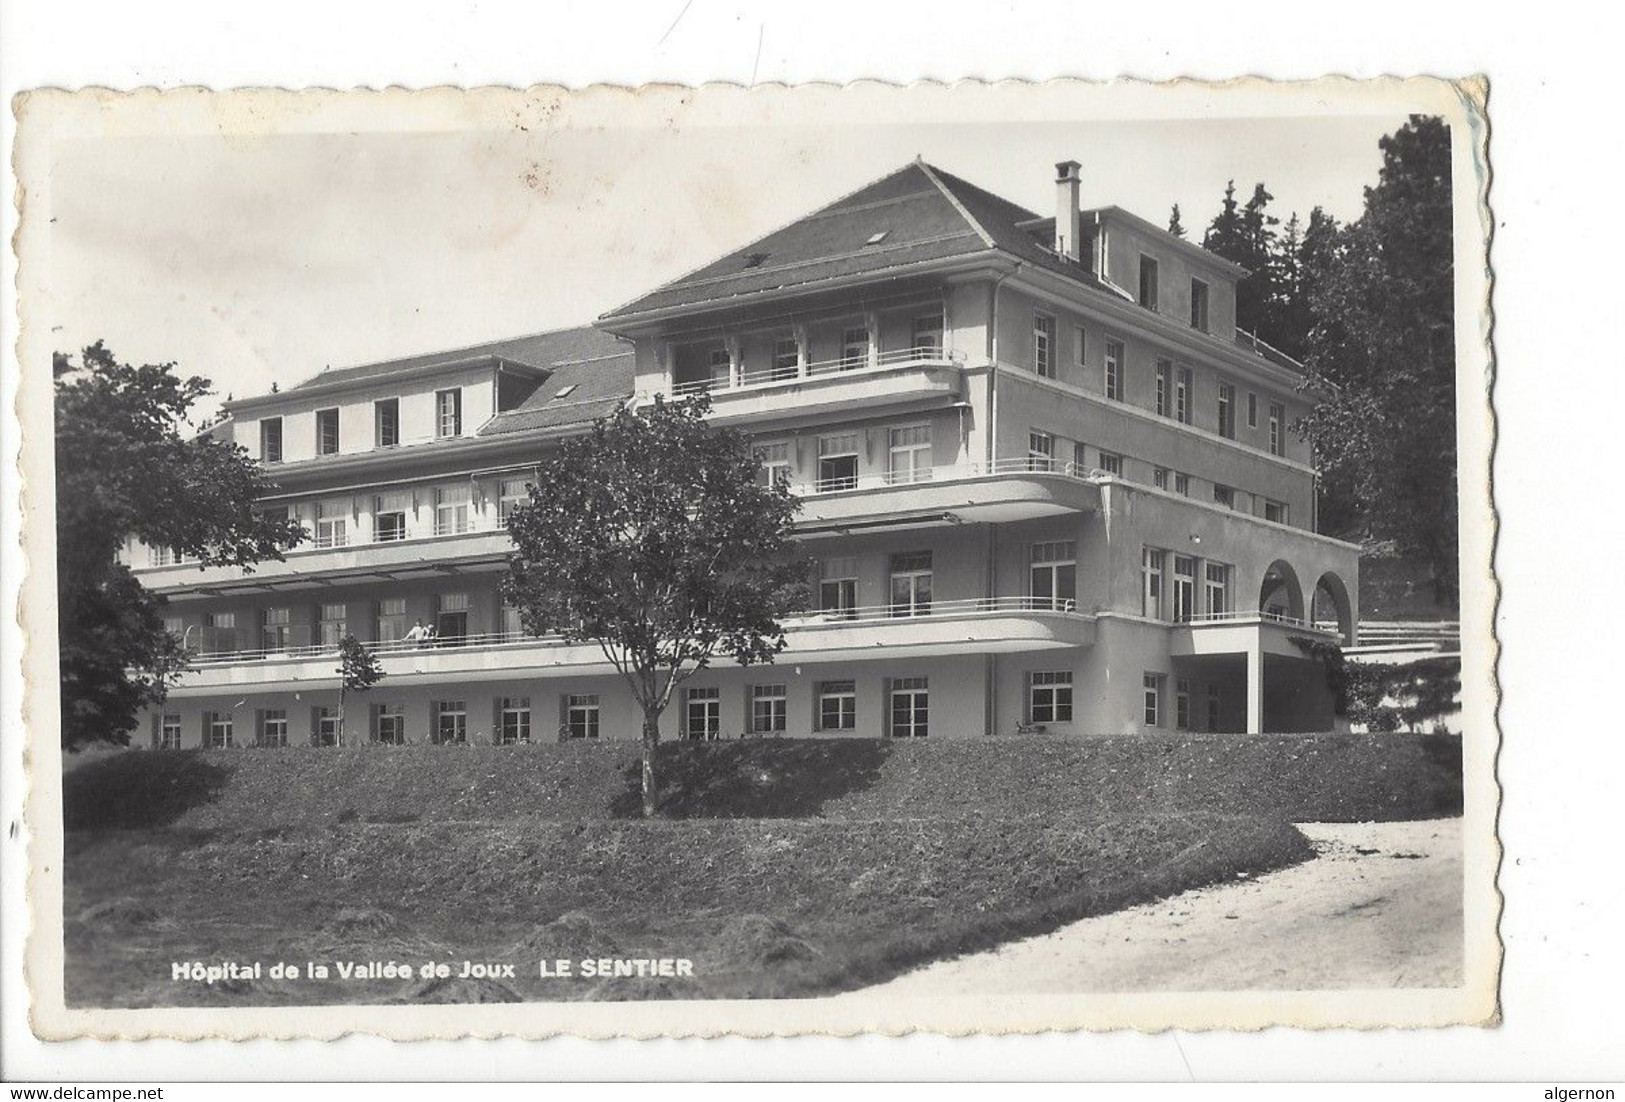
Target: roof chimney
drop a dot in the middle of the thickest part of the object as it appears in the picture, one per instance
(1066, 210)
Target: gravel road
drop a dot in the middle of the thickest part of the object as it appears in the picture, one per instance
(1380, 906)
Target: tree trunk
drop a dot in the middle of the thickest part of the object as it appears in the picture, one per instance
(338, 736)
(651, 741)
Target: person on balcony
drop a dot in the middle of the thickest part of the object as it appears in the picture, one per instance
(420, 635)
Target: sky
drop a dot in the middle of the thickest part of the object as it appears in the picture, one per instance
(253, 260)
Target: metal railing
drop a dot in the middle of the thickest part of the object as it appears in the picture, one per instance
(958, 472)
(1268, 615)
(787, 374)
(863, 614)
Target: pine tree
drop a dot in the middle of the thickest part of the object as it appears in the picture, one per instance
(1174, 225)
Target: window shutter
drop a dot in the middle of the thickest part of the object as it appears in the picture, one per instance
(157, 728)
(372, 721)
(259, 726)
(1027, 697)
(885, 707)
(496, 720)
(315, 725)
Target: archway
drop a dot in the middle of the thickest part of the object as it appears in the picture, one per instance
(1330, 606)
(1281, 594)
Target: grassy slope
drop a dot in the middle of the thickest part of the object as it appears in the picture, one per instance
(1300, 778)
(803, 867)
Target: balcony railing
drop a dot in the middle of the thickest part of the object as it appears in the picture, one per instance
(958, 472)
(1268, 615)
(770, 376)
(972, 606)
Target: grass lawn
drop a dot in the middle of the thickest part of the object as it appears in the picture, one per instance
(762, 907)
(780, 867)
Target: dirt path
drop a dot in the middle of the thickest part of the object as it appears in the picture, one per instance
(1380, 906)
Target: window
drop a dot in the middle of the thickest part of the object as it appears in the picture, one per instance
(1218, 588)
(324, 731)
(1080, 459)
(775, 463)
(581, 715)
(1049, 697)
(1252, 409)
(450, 721)
(1040, 451)
(854, 347)
(274, 629)
(721, 363)
(1114, 370)
(327, 432)
(876, 238)
(1111, 464)
(1183, 388)
(837, 462)
(1044, 346)
(1159, 477)
(513, 626)
(911, 583)
(451, 509)
(392, 724)
(838, 587)
(566, 391)
(451, 618)
(271, 440)
(927, 334)
(1054, 575)
(909, 455)
(1277, 428)
(1184, 588)
(176, 626)
(273, 727)
(786, 358)
(332, 523)
(511, 494)
(837, 706)
(1080, 345)
(767, 709)
(1214, 711)
(218, 727)
(1227, 410)
(169, 733)
(1182, 704)
(161, 556)
(391, 619)
(1224, 495)
(1165, 388)
(1152, 683)
(389, 516)
(448, 413)
(513, 720)
(1182, 484)
(1199, 305)
(1152, 561)
(702, 712)
(1276, 511)
(910, 707)
(386, 422)
(1148, 282)
(333, 623)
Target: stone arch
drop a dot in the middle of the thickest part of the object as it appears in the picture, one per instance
(1330, 604)
(1281, 592)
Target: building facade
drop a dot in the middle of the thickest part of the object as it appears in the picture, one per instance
(1048, 485)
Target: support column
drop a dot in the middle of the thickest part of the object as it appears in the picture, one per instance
(1255, 686)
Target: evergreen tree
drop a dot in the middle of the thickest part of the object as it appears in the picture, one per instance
(1382, 356)
(1174, 225)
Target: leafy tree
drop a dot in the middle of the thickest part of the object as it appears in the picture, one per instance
(124, 469)
(653, 537)
(1175, 227)
(1382, 357)
(358, 671)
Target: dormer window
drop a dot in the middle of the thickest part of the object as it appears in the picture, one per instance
(755, 260)
(565, 392)
(1199, 305)
(877, 238)
(1148, 282)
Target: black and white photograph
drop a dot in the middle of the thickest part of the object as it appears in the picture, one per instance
(803, 559)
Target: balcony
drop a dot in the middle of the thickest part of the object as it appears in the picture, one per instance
(441, 547)
(1240, 630)
(975, 492)
(974, 625)
(921, 376)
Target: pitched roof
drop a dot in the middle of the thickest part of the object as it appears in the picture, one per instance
(595, 387)
(537, 350)
(902, 218)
